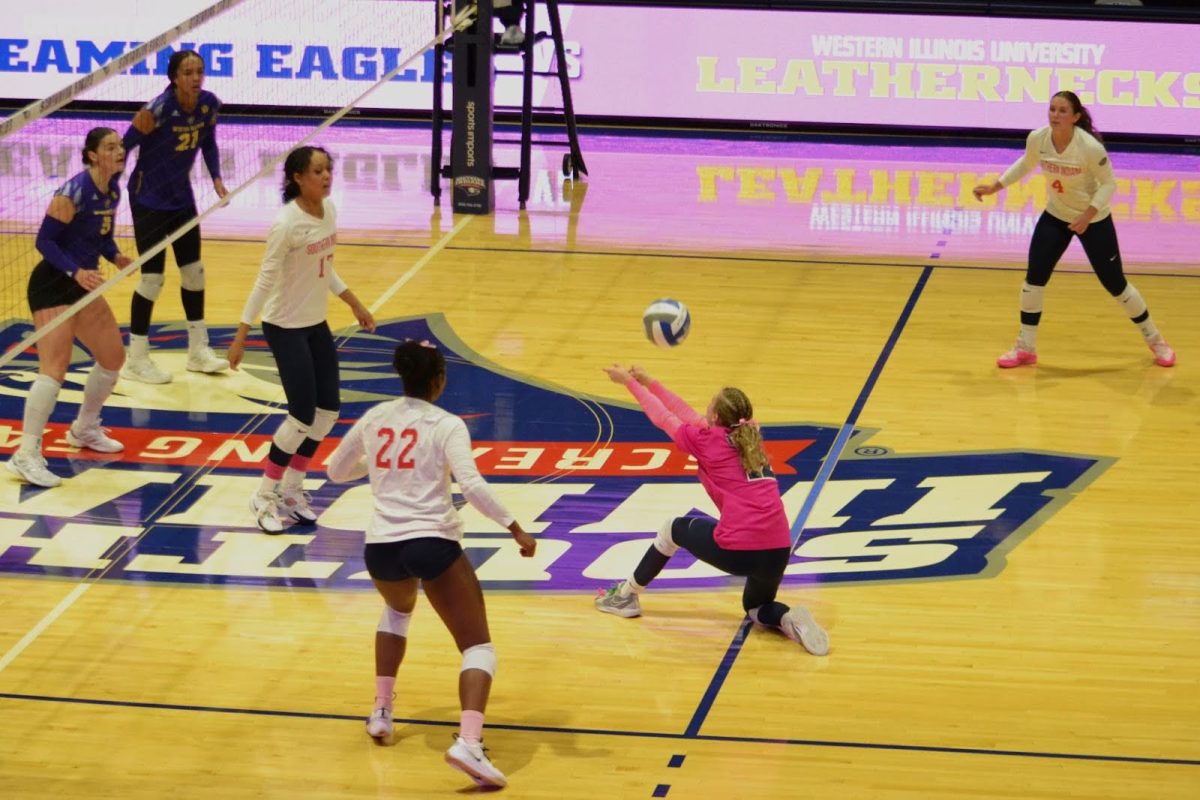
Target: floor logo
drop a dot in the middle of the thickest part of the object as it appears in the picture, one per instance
(592, 480)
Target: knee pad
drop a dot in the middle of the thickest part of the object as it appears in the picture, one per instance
(290, 434)
(323, 422)
(663, 543)
(394, 622)
(191, 276)
(1031, 298)
(481, 656)
(150, 286)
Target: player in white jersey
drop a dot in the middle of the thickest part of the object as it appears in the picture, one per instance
(409, 448)
(292, 294)
(1079, 184)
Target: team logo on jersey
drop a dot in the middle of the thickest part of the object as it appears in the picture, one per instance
(591, 478)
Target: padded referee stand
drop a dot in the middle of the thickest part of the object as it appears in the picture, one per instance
(471, 166)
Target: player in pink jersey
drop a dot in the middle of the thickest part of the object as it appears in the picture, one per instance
(1079, 185)
(752, 538)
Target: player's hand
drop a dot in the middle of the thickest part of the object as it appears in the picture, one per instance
(985, 189)
(88, 278)
(526, 542)
(365, 320)
(122, 260)
(1080, 223)
(237, 349)
(219, 187)
(617, 374)
(640, 375)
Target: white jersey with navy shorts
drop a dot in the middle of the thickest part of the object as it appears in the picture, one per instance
(1078, 177)
(297, 275)
(410, 448)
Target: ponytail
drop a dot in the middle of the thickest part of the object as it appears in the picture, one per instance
(733, 411)
(1085, 116)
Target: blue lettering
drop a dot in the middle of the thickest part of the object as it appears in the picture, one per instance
(316, 58)
(391, 60)
(270, 61)
(218, 59)
(10, 55)
(140, 68)
(358, 64)
(52, 52)
(89, 52)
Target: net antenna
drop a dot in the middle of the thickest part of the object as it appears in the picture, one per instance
(464, 16)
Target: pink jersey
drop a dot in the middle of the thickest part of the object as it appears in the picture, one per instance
(751, 511)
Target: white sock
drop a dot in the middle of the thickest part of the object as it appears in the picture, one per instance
(268, 485)
(139, 346)
(293, 479)
(629, 586)
(1131, 300)
(1028, 337)
(197, 334)
(39, 404)
(99, 386)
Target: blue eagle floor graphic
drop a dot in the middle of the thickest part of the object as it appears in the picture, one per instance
(592, 479)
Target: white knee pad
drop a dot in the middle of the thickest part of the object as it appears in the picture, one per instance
(394, 622)
(191, 276)
(1031, 298)
(663, 543)
(150, 286)
(290, 434)
(481, 656)
(323, 422)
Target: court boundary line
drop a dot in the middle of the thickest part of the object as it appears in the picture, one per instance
(828, 463)
(316, 715)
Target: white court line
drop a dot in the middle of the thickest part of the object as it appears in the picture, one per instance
(421, 262)
(46, 622)
(75, 594)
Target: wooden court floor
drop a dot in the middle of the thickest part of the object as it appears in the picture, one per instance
(1006, 560)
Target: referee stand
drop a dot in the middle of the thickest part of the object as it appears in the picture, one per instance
(471, 170)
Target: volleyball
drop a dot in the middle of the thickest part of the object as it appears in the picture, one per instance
(667, 322)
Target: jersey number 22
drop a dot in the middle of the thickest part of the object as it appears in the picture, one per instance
(383, 458)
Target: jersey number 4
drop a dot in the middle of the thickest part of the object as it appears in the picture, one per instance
(1057, 186)
(383, 458)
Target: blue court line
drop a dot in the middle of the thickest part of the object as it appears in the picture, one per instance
(1183, 762)
(827, 465)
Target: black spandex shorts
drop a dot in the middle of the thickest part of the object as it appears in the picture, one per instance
(425, 558)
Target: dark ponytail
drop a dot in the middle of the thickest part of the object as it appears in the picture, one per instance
(418, 364)
(1085, 116)
(92, 143)
(297, 161)
(177, 59)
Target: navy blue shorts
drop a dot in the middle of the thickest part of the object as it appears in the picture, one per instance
(425, 558)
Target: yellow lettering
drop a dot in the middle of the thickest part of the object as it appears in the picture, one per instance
(979, 83)
(888, 189)
(931, 188)
(753, 75)
(1022, 85)
(883, 79)
(1121, 210)
(801, 73)
(708, 76)
(845, 189)
(1191, 85)
(753, 183)
(1190, 204)
(1107, 93)
(845, 72)
(1076, 80)
(1026, 193)
(1155, 90)
(708, 181)
(797, 191)
(1150, 197)
(933, 81)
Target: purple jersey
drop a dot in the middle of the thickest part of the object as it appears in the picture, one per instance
(162, 180)
(89, 235)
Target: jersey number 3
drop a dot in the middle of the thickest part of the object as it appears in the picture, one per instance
(383, 456)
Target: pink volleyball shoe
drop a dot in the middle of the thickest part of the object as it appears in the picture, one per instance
(1164, 356)
(1017, 357)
